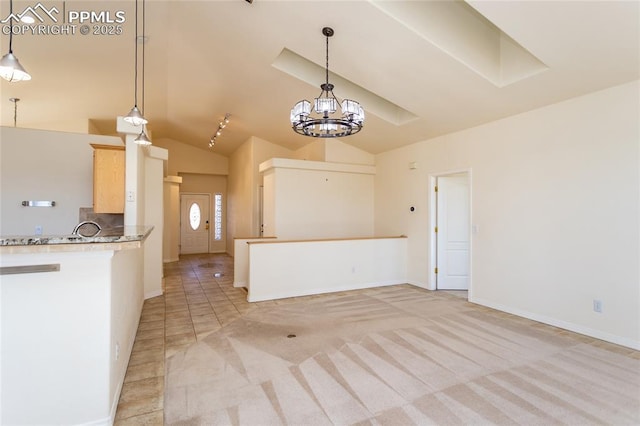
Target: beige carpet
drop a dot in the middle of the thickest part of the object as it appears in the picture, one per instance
(398, 356)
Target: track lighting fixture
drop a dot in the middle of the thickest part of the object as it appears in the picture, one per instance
(221, 126)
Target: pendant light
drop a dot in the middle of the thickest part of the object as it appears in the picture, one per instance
(10, 68)
(142, 138)
(135, 116)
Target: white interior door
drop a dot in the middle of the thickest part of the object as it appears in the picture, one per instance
(453, 214)
(194, 223)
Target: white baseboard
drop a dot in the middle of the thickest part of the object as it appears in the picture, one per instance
(239, 284)
(420, 284)
(577, 328)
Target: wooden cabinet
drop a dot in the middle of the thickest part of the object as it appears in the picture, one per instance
(108, 178)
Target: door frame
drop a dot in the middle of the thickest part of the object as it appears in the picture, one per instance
(433, 222)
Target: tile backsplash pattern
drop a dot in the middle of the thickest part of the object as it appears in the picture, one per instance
(105, 220)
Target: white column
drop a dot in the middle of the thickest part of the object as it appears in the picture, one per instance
(134, 174)
(171, 240)
(154, 216)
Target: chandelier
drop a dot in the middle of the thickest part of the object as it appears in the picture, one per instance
(324, 120)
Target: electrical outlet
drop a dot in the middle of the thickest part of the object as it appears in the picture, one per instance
(597, 306)
(38, 229)
(117, 351)
(131, 196)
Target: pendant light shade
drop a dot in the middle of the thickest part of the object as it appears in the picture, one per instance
(143, 139)
(10, 68)
(135, 117)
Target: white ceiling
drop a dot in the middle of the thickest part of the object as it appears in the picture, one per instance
(206, 58)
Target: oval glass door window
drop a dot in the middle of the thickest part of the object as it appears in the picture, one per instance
(194, 216)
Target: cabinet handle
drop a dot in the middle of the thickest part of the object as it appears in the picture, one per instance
(29, 269)
(39, 203)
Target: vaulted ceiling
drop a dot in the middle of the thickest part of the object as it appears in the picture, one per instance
(419, 68)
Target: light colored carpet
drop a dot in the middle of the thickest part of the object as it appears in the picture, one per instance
(398, 356)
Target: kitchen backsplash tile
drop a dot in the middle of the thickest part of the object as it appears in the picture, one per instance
(105, 220)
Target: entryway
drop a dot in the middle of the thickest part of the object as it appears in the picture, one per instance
(451, 217)
(194, 223)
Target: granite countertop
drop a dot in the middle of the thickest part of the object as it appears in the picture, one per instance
(121, 234)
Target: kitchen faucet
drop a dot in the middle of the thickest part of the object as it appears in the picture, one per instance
(76, 230)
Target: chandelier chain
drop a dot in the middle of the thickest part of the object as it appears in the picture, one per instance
(327, 63)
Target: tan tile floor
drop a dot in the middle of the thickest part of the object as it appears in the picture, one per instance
(199, 298)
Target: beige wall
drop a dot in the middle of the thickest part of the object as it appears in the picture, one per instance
(45, 165)
(184, 158)
(309, 199)
(314, 150)
(244, 187)
(333, 151)
(555, 201)
(240, 206)
(340, 152)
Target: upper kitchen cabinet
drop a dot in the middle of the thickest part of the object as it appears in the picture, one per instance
(108, 178)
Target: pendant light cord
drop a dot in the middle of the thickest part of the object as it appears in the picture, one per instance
(135, 73)
(144, 41)
(15, 111)
(11, 26)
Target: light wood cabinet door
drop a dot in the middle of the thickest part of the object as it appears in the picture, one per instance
(108, 178)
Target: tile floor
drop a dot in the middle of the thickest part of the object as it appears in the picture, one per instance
(199, 298)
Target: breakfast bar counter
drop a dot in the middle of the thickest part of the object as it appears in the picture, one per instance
(69, 310)
(105, 239)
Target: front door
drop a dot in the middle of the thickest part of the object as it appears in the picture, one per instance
(194, 223)
(453, 215)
